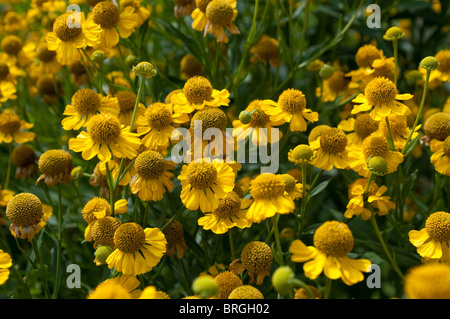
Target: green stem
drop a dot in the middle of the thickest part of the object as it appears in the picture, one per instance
(138, 99)
(395, 46)
(326, 294)
(304, 200)
(8, 170)
(275, 220)
(390, 138)
(41, 268)
(109, 179)
(59, 250)
(230, 237)
(20, 280)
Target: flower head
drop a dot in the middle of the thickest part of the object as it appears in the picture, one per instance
(12, 128)
(428, 281)
(56, 167)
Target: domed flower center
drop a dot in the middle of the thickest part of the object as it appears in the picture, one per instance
(127, 100)
(316, 132)
(174, 232)
(219, 12)
(397, 123)
(197, 90)
(94, 206)
(334, 239)
(302, 152)
(375, 146)
(23, 156)
(9, 123)
(365, 125)
(55, 162)
(150, 164)
(366, 55)
(103, 128)
(103, 230)
(259, 118)
(62, 30)
(44, 54)
(129, 237)
(266, 48)
(202, 4)
(333, 140)
(292, 101)
(267, 186)
(257, 257)
(289, 181)
(86, 101)
(229, 206)
(443, 57)
(24, 209)
(380, 91)
(4, 71)
(201, 175)
(209, 117)
(11, 45)
(437, 126)
(106, 14)
(338, 82)
(438, 226)
(158, 116)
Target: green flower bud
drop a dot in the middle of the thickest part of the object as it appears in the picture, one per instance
(301, 154)
(377, 165)
(393, 33)
(326, 71)
(102, 253)
(99, 56)
(77, 173)
(245, 117)
(429, 63)
(145, 69)
(282, 280)
(205, 286)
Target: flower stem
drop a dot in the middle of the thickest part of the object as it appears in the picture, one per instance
(395, 47)
(138, 99)
(20, 280)
(304, 200)
(390, 137)
(59, 250)
(275, 220)
(41, 268)
(327, 292)
(8, 170)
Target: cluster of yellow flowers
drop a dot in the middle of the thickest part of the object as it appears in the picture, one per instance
(123, 140)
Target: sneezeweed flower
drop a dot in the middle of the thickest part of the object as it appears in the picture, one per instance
(156, 124)
(13, 47)
(183, 7)
(102, 231)
(67, 38)
(332, 150)
(24, 158)
(203, 184)
(442, 73)
(380, 96)
(7, 91)
(56, 167)
(437, 126)
(270, 197)
(27, 215)
(12, 128)
(266, 51)
(227, 282)
(433, 241)
(393, 33)
(190, 67)
(335, 86)
(144, 69)
(85, 103)
(379, 204)
(314, 135)
(441, 155)
(301, 154)
(5, 264)
(292, 188)
(127, 101)
(47, 59)
(360, 126)
(399, 130)
(120, 287)
(151, 292)
(152, 178)
(174, 234)
(375, 145)
(142, 12)
(231, 212)
(256, 258)
(198, 93)
(303, 294)
(428, 281)
(245, 292)
(333, 241)
(364, 58)
(290, 108)
(114, 23)
(105, 137)
(138, 250)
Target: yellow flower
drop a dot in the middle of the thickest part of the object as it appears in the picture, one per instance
(11, 128)
(433, 241)
(245, 292)
(428, 281)
(290, 108)
(380, 96)
(86, 103)
(105, 137)
(183, 7)
(102, 232)
(364, 58)
(127, 101)
(333, 87)
(66, 40)
(203, 184)
(137, 250)
(333, 241)
(174, 234)
(332, 150)
(360, 127)
(56, 167)
(5, 263)
(7, 91)
(270, 197)
(231, 212)
(399, 130)
(142, 12)
(114, 24)
(197, 94)
(266, 50)
(152, 178)
(227, 282)
(121, 287)
(437, 126)
(442, 73)
(441, 155)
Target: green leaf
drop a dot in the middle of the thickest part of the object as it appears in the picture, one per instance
(319, 188)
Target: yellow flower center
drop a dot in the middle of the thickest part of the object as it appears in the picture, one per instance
(227, 282)
(174, 232)
(266, 186)
(446, 146)
(333, 140)
(46, 84)
(257, 257)
(202, 4)
(158, 116)
(201, 175)
(443, 57)
(365, 125)
(397, 123)
(127, 100)
(44, 54)
(23, 156)
(9, 123)
(338, 82)
(24, 209)
(106, 14)
(428, 281)
(103, 230)
(150, 164)
(373, 188)
(197, 90)
(11, 45)
(210, 117)
(366, 55)
(292, 101)
(229, 206)
(4, 71)
(266, 48)
(86, 101)
(103, 128)
(246, 292)
(386, 70)
(95, 205)
(289, 181)
(316, 132)
(438, 226)
(380, 91)
(55, 162)
(259, 118)
(437, 126)
(334, 239)
(129, 237)
(62, 30)
(375, 146)
(219, 12)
